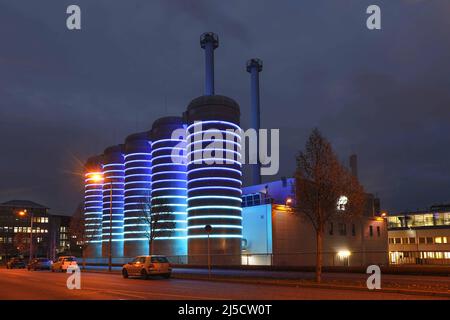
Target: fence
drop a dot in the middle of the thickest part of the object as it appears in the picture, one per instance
(300, 259)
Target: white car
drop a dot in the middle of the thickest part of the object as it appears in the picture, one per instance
(63, 263)
(145, 266)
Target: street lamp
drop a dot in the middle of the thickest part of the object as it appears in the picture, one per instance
(288, 202)
(23, 213)
(97, 177)
(208, 229)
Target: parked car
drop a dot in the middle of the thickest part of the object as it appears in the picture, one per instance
(15, 263)
(40, 264)
(145, 266)
(63, 263)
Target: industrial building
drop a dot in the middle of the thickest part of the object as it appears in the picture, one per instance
(161, 191)
(420, 237)
(135, 185)
(275, 234)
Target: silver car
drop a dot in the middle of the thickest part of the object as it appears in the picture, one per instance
(145, 266)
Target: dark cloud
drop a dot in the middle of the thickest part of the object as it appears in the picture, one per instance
(67, 95)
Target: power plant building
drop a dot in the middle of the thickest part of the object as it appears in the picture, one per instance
(176, 190)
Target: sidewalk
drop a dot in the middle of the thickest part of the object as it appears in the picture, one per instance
(413, 285)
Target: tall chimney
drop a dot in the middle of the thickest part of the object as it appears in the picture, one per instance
(209, 41)
(254, 67)
(354, 165)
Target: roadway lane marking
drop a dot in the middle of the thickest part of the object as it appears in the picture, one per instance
(128, 293)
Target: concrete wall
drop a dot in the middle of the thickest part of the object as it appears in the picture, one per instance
(294, 241)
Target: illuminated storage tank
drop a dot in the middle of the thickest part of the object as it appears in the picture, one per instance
(113, 201)
(169, 186)
(214, 181)
(137, 194)
(93, 205)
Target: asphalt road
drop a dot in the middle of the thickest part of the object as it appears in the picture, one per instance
(44, 285)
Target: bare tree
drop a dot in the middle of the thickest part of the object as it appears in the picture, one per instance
(84, 232)
(156, 224)
(324, 188)
(21, 243)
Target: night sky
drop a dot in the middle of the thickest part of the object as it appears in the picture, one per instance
(384, 95)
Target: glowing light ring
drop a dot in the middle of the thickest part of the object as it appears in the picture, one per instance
(134, 168)
(207, 149)
(215, 168)
(212, 187)
(134, 161)
(168, 148)
(213, 207)
(168, 156)
(211, 131)
(169, 172)
(216, 197)
(137, 154)
(168, 180)
(166, 140)
(168, 188)
(215, 236)
(201, 123)
(214, 217)
(214, 178)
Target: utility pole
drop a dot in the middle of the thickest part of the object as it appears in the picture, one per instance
(31, 237)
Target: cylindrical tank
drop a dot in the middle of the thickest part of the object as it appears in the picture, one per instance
(93, 205)
(137, 194)
(169, 187)
(214, 180)
(113, 201)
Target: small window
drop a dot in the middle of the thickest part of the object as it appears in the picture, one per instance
(378, 231)
(412, 240)
(342, 229)
(405, 240)
(398, 240)
(421, 240)
(330, 231)
(371, 231)
(159, 259)
(353, 229)
(429, 240)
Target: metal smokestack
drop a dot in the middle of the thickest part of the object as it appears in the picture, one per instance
(209, 41)
(254, 67)
(354, 165)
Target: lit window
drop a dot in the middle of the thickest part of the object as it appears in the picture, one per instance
(438, 240)
(342, 202)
